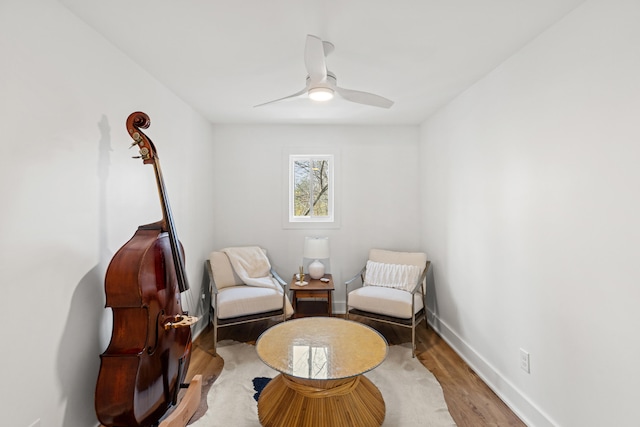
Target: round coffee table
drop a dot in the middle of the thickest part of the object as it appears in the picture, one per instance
(321, 361)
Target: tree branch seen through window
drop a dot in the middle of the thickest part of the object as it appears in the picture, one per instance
(311, 187)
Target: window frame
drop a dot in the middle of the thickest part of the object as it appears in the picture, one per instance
(290, 155)
(329, 158)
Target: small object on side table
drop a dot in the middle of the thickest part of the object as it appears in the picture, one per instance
(314, 298)
(300, 277)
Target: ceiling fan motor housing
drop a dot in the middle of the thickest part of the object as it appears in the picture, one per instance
(331, 82)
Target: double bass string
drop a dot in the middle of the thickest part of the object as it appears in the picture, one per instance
(149, 154)
(176, 248)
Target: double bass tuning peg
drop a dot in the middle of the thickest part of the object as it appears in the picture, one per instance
(137, 139)
(144, 154)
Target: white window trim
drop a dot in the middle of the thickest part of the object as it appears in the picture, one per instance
(296, 157)
(288, 220)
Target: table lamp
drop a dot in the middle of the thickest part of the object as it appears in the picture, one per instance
(316, 248)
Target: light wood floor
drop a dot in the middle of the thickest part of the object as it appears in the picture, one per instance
(471, 403)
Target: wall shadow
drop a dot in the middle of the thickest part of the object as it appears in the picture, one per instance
(78, 360)
(432, 299)
(433, 310)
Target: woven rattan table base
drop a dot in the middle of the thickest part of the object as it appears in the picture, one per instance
(290, 401)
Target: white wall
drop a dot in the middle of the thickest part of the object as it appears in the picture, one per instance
(531, 211)
(376, 183)
(72, 195)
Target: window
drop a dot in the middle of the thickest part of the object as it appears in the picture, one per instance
(310, 362)
(311, 192)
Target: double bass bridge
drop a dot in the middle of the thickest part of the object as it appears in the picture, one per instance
(179, 321)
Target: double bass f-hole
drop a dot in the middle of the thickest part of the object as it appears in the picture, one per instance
(155, 333)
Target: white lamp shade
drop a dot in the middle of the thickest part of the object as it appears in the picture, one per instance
(316, 248)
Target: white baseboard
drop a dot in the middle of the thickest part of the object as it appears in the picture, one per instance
(520, 404)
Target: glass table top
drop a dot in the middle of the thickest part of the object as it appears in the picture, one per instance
(321, 348)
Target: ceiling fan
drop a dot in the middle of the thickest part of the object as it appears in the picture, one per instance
(322, 83)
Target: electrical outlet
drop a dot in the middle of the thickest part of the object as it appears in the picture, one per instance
(525, 361)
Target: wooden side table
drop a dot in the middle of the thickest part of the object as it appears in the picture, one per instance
(316, 289)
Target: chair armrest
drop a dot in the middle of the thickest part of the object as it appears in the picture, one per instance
(279, 279)
(423, 276)
(212, 283)
(360, 274)
(284, 285)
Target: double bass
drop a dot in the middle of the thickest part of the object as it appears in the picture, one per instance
(145, 364)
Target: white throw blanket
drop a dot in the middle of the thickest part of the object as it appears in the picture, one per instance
(398, 276)
(251, 265)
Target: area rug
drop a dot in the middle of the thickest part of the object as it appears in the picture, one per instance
(412, 395)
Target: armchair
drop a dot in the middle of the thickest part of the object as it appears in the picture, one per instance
(392, 289)
(245, 289)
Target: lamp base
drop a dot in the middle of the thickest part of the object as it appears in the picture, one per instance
(316, 269)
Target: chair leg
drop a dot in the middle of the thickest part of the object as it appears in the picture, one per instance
(413, 340)
(215, 335)
(214, 307)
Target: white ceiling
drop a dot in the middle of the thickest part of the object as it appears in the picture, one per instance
(224, 57)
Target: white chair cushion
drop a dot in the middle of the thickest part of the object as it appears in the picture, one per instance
(393, 257)
(387, 301)
(223, 273)
(234, 301)
(398, 276)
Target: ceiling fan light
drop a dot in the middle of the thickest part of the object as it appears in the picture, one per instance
(321, 94)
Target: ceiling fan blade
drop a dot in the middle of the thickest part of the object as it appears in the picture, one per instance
(314, 59)
(364, 98)
(303, 91)
(328, 47)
